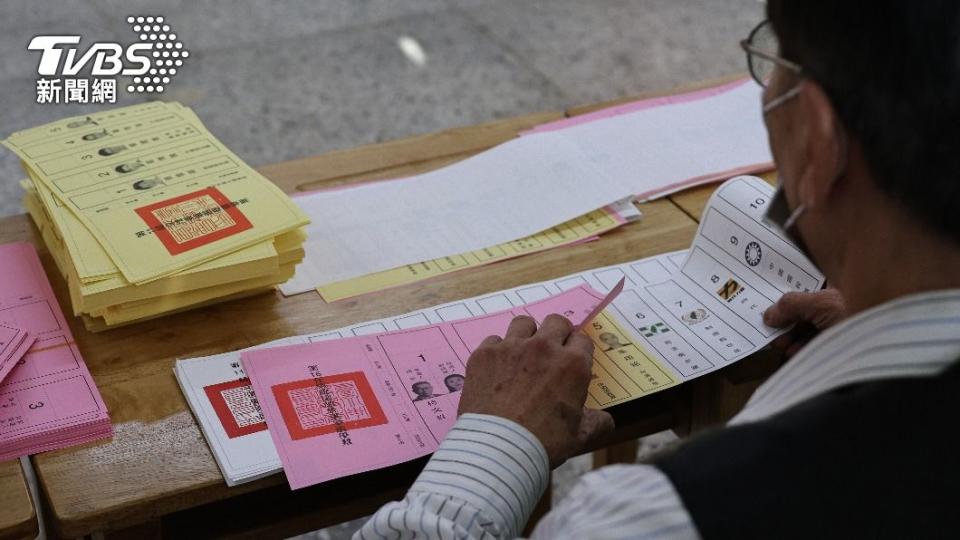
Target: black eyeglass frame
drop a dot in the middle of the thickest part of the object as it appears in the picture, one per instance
(752, 50)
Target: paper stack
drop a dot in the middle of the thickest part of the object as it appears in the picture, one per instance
(146, 213)
(220, 396)
(48, 400)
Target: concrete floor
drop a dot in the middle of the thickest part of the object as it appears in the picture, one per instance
(285, 79)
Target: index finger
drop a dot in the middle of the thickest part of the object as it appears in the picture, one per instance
(579, 342)
(555, 328)
(521, 327)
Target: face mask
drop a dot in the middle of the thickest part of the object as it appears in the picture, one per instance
(778, 212)
(779, 215)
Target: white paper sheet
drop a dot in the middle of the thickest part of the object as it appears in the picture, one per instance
(692, 311)
(514, 190)
(660, 150)
(310, 272)
(529, 184)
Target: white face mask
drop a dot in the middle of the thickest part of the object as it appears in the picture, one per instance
(779, 215)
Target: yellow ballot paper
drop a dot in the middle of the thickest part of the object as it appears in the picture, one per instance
(622, 368)
(221, 245)
(156, 190)
(571, 232)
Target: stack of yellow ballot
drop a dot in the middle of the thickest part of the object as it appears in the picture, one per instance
(146, 213)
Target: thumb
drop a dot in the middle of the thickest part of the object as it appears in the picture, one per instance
(821, 308)
(791, 308)
(594, 424)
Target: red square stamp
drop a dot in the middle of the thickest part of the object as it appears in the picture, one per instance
(237, 407)
(314, 407)
(193, 220)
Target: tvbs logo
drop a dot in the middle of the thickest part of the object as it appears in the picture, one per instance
(151, 63)
(107, 58)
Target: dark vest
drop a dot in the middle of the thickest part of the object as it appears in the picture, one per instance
(871, 460)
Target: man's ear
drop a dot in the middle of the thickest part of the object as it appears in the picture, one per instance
(823, 144)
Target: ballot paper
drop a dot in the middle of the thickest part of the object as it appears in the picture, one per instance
(511, 191)
(100, 291)
(681, 315)
(155, 189)
(371, 401)
(534, 182)
(48, 400)
(14, 343)
(580, 229)
(663, 145)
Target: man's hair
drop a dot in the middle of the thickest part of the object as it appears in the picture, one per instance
(891, 69)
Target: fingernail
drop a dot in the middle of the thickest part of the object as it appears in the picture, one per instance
(769, 317)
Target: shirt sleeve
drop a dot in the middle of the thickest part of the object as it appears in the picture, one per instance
(483, 482)
(489, 473)
(620, 501)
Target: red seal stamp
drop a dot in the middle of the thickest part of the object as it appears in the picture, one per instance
(193, 220)
(328, 404)
(237, 407)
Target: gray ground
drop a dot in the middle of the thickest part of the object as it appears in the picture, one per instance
(279, 80)
(285, 79)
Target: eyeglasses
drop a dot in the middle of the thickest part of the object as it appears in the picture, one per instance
(763, 49)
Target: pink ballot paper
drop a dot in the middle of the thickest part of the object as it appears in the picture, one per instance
(345, 406)
(14, 342)
(48, 400)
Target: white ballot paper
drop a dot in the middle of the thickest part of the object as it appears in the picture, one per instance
(310, 273)
(535, 182)
(682, 314)
(513, 190)
(659, 150)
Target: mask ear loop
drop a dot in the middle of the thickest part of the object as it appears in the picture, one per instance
(801, 208)
(782, 98)
(794, 216)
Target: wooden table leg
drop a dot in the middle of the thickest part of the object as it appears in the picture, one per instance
(718, 397)
(625, 452)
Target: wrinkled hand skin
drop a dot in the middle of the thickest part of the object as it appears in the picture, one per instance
(812, 312)
(538, 378)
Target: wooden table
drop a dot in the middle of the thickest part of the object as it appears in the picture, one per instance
(18, 517)
(157, 475)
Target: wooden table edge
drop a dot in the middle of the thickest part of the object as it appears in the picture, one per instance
(25, 525)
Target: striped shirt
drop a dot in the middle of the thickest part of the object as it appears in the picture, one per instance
(489, 473)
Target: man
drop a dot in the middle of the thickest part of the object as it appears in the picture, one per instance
(855, 436)
(423, 390)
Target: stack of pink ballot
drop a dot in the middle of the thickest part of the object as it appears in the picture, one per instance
(48, 399)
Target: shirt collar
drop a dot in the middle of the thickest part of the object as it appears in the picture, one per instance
(911, 336)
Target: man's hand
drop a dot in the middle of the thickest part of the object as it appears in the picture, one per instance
(537, 378)
(811, 312)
